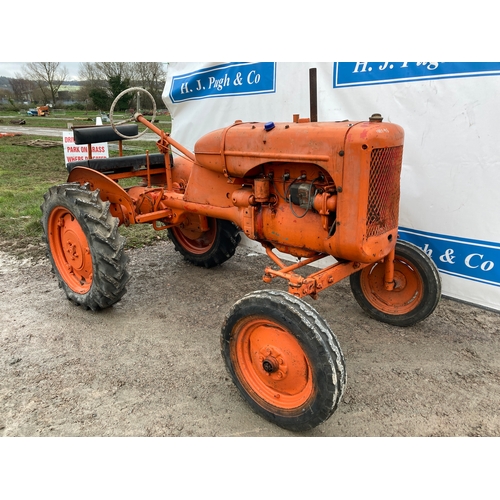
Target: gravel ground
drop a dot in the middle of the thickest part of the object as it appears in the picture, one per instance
(151, 364)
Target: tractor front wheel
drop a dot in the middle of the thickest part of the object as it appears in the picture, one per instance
(84, 246)
(416, 293)
(205, 247)
(284, 359)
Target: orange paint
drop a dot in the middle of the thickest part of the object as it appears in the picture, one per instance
(309, 189)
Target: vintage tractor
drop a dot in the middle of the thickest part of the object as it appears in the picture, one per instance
(307, 189)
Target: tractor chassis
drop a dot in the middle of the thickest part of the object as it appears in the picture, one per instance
(282, 356)
(315, 283)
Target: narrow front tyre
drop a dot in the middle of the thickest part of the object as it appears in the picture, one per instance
(416, 291)
(284, 359)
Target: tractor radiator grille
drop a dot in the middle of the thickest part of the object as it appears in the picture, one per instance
(383, 195)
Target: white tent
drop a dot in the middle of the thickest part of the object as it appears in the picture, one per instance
(451, 167)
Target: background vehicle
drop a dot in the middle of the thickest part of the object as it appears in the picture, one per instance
(43, 110)
(307, 189)
(39, 111)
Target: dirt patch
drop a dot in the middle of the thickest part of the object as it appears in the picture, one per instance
(151, 365)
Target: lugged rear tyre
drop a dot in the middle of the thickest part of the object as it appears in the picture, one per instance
(205, 248)
(284, 359)
(84, 246)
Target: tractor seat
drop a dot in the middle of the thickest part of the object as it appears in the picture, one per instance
(93, 135)
(119, 163)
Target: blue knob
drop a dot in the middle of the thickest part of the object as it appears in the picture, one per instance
(269, 126)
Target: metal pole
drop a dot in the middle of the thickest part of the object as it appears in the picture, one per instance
(313, 94)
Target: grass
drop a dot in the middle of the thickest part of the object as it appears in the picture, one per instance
(65, 118)
(26, 173)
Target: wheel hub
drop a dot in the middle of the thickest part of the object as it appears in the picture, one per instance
(70, 250)
(403, 298)
(270, 364)
(399, 280)
(73, 249)
(273, 362)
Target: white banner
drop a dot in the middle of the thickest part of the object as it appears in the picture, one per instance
(449, 201)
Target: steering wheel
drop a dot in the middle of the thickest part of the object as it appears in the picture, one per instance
(131, 119)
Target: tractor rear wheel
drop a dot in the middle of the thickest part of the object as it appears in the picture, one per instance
(84, 246)
(416, 292)
(284, 359)
(205, 248)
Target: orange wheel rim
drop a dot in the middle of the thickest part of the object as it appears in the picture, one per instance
(193, 239)
(70, 250)
(271, 364)
(408, 287)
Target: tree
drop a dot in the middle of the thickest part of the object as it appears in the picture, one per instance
(101, 98)
(117, 86)
(88, 73)
(151, 76)
(104, 81)
(114, 77)
(90, 81)
(108, 70)
(6, 93)
(49, 76)
(22, 89)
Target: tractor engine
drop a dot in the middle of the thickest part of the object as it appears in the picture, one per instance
(309, 187)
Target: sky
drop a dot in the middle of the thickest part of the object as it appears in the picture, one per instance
(267, 33)
(9, 69)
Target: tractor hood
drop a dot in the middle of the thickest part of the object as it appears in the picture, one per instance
(239, 148)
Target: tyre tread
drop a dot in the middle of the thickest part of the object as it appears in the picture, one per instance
(107, 245)
(315, 336)
(227, 240)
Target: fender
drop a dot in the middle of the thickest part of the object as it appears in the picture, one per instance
(122, 205)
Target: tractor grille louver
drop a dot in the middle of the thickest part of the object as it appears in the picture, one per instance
(383, 196)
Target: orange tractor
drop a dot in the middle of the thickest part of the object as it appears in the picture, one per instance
(307, 189)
